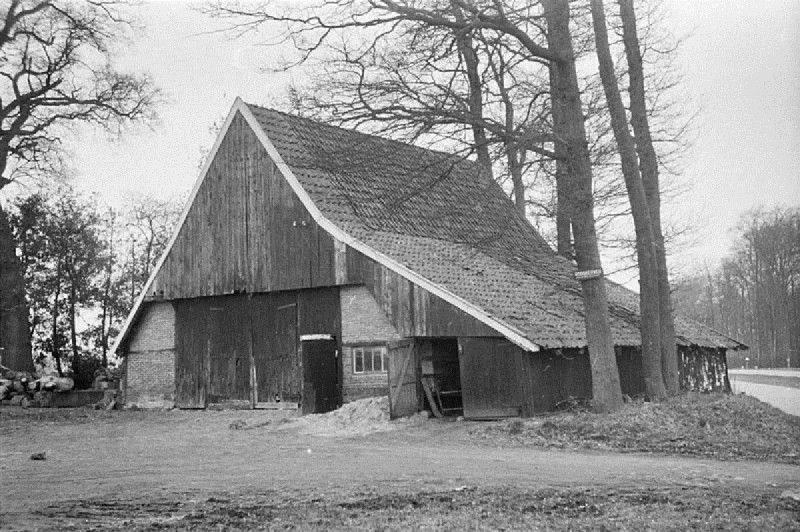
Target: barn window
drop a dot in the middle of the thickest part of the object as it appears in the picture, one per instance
(370, 359)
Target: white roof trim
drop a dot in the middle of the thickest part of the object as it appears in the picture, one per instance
(476, 312)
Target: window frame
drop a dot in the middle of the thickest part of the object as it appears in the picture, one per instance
(375, 352)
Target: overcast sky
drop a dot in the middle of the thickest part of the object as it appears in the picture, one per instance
(741, 61)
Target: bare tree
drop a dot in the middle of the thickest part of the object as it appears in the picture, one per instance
(648, 162)
(570, 130)
(645, 239)
(55, 71)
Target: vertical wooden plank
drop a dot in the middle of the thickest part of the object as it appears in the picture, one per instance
(489, 378)
(318, 311)
(403, 398)
(325, 261)
(340, 262)
(420, 297)
(190, 344)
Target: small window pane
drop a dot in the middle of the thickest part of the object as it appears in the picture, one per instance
(372, 359)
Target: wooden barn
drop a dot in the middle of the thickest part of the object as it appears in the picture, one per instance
(315, 265)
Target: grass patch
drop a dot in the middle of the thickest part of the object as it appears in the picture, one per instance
(463, 508)
(721, 426)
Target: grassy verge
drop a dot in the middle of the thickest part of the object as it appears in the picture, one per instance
(463, 508)
(714, 425)
(727, 427)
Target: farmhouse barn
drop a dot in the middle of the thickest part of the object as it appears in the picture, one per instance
(315, 265)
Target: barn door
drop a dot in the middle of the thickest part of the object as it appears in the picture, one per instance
(192, 351)
(403, 397)
(320, 374)
(275, 353)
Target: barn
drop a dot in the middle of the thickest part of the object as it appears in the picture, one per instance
(315, 265)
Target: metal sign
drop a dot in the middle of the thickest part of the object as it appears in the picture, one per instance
(588, 274)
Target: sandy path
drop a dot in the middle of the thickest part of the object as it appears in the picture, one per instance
(141, 455)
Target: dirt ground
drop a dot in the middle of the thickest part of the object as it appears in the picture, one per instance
(179, 470)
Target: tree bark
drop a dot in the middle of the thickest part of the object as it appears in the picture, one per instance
(648, 162)
(649, 309)
(73, 331)
(55, 344)
(564, 245)
(467, 52)
(565, 93)
(563, 216)
(15, 334)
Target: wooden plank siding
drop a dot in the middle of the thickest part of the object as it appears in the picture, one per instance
(246, 231)
(219, 338)
(412, 310)
(493, 378)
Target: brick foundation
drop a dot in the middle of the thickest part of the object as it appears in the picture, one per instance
(150, 359)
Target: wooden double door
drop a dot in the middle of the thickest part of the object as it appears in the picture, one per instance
(248, 348)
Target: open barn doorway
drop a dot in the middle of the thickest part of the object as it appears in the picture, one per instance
(320, 373)
(440, 376)
(424, 374)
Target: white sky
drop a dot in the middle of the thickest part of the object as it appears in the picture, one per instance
(741, 61)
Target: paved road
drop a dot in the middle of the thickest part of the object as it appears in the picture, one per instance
(783, 393)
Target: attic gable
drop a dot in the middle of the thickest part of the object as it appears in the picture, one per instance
(245, 229)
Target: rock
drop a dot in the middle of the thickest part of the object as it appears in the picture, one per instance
(39, 456)
(791, 494)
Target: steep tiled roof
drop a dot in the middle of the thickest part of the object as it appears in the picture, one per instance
(439, 216)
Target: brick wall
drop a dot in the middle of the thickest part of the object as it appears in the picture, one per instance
(363, 323)
(150, 359)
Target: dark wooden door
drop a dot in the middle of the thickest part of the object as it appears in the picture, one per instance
(491, 378)
(320, 374)
(403, 396)
(275, 354)
(191, 354)
(229, 360)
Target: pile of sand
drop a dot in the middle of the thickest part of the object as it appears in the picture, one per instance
(358, 417)
(363, 416)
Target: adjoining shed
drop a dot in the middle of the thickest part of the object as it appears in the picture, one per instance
(314, 265)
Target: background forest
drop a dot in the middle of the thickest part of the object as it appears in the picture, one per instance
(753, 294)
(84, 265)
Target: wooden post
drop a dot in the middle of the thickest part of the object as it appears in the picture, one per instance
(251, 356)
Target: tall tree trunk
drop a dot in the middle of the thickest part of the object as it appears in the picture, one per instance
(645, 241)
(563, 216)
(107, 314)
(15, 333)
(73, 332)
(606, 391)
(55, 340)
(515, 166)
(467, 52)
(648, 162)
